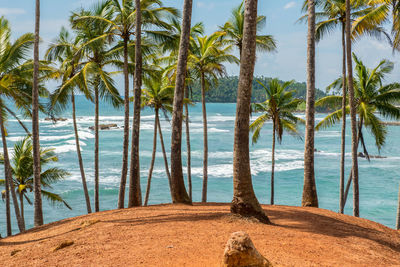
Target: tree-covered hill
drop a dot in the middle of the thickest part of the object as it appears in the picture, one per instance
(226, 90)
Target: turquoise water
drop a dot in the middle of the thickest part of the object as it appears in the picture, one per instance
(379, 179)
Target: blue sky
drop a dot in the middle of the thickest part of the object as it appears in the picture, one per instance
(289, 62)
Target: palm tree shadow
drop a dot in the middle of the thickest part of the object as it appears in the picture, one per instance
(330, 226)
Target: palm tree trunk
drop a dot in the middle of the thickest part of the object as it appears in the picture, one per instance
(21, 201)
(8, 206)
(19, 121)
(178, 190)
(188, 149)
(38, 210)
(153, 157)
(135, 195)
(124, 172)
(244, 200)
(96, 149)
(164, 154)
(353, 112)
(9, 181)
(273, 164)
(78, 152)
(205, 139)
(346, 193)
(310, 197)
(343, 141)
(398, 212)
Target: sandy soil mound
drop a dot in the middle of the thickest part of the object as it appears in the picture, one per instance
(178, 235)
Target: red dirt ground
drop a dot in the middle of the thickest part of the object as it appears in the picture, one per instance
(179, 235)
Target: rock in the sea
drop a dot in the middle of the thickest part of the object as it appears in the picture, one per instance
(105, 126)
(240, 252)
(55, 119)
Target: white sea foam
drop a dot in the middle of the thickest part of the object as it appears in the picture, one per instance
(64, 148)
(72, 142)
(209, 130)
(220, 118)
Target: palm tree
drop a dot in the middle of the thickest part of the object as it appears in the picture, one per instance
(205, 61)
(16, 86)
(135, 194)
(22, 171)
(353, 116)
(310, 198)
(122, 25)
(172, 46)
(331, 15)
(159, 96)
(278, 108)
(233, 31)
(178, 190)
(38, 210)
(244, 200)
(99, 56)
(370, 96)
(66, 50)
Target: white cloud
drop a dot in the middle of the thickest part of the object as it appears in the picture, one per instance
(11, 11)
(290, 5)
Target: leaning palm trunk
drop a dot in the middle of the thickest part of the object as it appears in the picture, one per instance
(9, 181)
(343, 141)
(188, 149)
(7, 185)
(21, 202)
(350, 180)
(38, 210)
(124, 172)
(164, 154)
(244, 200)
(398, 212)
(310, 198)
(353, 112)
(18, 120)
(78, 152)
(273, 163)
(205, 139)
(178, 190)
(96, 149)
(135, 195)
(153, 157)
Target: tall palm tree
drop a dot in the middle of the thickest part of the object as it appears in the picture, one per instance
(332, 14)
(65, 50)
(99, 56)
(38, 210)
(233, 31)
(135, 193)
(310, 198)
(122, 25)
(370, 96)
(205, 61)
(354, 140)
(159, 96)
(22, 171)
(278, 108)
(244, 200)
(16, 86)
(178, 190)
(172, 46)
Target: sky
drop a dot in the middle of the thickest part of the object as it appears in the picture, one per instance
(288, 63)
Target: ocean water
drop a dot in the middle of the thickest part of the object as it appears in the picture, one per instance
(379, 179)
